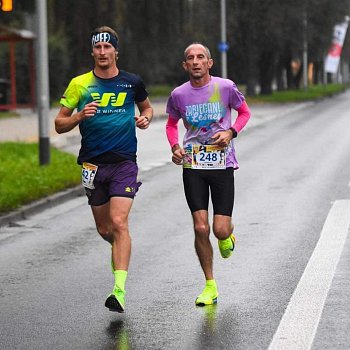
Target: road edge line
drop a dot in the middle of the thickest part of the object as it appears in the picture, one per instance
(299, 323)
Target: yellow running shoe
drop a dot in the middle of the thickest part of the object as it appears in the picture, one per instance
(226, 246)
(209, 296)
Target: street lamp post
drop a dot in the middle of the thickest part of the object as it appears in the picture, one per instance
(223, 46)
(43, 83)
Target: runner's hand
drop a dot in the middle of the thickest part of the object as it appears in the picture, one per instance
(222, 138)
(142, 121)
(178, 156)
(88, 111)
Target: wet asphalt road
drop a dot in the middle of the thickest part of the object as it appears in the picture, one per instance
(55, 270)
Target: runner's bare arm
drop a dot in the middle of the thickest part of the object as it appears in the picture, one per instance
(66, 121)
(146, 114)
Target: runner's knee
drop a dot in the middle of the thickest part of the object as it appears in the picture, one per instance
(120, 224)
(222, 231)
(202, 230)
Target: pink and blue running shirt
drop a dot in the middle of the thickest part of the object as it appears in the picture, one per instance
(112, 128)
(205, 111)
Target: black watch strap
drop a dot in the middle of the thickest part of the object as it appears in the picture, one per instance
(234, 132)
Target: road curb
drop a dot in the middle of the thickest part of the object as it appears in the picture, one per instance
(35, 207)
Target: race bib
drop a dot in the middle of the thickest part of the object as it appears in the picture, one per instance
(88, 173)
(208, 157)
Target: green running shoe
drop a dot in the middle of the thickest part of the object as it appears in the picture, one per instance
(209, 296)
(226, 246)
(116, 301)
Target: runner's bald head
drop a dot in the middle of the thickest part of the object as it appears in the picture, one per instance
(205, 48)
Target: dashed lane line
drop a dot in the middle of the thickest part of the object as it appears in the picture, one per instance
(299, 323)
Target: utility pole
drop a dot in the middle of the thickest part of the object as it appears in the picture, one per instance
(223, 46)
(43, 82)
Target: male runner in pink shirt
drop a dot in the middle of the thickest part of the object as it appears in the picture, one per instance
(204, 104)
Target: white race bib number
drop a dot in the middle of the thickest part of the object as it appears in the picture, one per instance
(208, 157)
(88, 173)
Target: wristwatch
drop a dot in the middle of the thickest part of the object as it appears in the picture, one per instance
(234, 132)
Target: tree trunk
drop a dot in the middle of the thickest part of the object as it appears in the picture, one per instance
(266, 67)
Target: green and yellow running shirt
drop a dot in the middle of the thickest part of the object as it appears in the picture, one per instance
(112, 129)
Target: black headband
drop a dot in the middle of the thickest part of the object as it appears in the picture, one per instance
(104, 37)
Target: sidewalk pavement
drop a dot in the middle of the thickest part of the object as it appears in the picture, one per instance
(25, 128)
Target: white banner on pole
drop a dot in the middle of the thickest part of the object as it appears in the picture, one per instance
(333, 57)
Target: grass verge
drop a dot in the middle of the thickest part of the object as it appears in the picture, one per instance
(23, 180)
(313, 92)
(8, 114)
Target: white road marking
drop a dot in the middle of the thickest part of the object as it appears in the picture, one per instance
(299, 323)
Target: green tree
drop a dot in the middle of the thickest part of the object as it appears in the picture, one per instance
(265, 37)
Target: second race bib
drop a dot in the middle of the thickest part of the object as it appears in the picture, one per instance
(208, 157)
